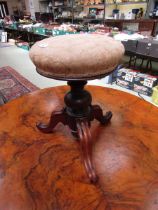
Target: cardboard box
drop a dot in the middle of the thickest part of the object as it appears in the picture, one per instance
(136, 81)
(48, 32)
(14, 26)
(155, 95)
(125, 78)
(39, 30)
(123, 83)
(144, 83)
(56, 32)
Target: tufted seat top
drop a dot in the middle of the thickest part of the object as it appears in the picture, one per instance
(76, 56)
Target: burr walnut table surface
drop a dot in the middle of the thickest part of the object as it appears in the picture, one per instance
(45, 172)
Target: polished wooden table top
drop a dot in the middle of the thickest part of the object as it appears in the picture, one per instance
(45, 172)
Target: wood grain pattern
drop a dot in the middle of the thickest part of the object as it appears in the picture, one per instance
(45, 171)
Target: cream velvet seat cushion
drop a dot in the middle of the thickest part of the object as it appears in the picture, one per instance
(76, 56)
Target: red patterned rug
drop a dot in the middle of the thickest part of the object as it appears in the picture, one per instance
(13, 85)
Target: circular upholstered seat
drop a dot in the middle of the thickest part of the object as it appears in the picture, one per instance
(83, 56)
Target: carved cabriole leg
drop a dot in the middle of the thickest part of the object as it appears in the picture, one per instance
(64, 118)
(98, 115)
(86, 147)
(56, 117)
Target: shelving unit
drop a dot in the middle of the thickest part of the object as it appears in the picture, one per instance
(117, 3)
(73, 6)
(132, 2)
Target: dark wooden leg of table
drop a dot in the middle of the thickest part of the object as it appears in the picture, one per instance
(130, 61)
(135, 61)
(141, 63)
(149, 65)
(150, 62)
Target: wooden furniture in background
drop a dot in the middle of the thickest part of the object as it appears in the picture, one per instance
(45, 171)
(144, 25)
